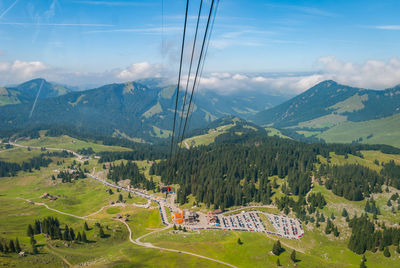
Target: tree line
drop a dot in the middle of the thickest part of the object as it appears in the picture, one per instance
(130, 171)
(227, 174)
(8, 169)
(353, 182)
(364, 236)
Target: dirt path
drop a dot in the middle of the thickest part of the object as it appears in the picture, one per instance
(149, 245)
(53, 209)
(186, 145)
(75, 216)
(51, 251)
(312, 187)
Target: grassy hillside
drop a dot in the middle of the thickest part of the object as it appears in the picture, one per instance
(85, 196)
(66, 142)
(207, 138)
(338, 113)
(383, 131)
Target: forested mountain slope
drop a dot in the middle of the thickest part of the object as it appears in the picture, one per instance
(28, 91)
(329, 103)
(140, 111)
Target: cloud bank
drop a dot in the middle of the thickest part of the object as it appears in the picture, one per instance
(373, 74)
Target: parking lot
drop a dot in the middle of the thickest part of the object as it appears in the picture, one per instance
(285, 226)
(248, 221)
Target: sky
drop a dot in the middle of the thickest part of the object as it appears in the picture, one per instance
(278, 46)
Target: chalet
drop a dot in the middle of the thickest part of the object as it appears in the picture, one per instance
(212, 218)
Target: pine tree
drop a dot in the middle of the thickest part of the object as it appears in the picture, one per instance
(386, 252)
(11, 246)
(34, 250)
(86, 227)
(101, 232)
(129, 195)
(1, 247)
(59, 234)
(344, 213)
(239, 241)
(84, 239)
(293, 256)
(184, 229)
(71, 234)
(30, 231)
(174, 226)
(277, 248)
(120, 198)
(398, 249)
(17, 246)
(6, 249)
(32, 241)
(66, 233)
(79, 237)
(278, 262)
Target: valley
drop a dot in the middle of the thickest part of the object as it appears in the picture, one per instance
(242, 134)
(86, 200)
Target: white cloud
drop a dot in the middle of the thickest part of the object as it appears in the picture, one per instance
(140, 70)
(371, 74)
(20, 70)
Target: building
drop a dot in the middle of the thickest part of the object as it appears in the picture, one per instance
(190, 216)
(167, 189)
(178, 218)
(212, 218)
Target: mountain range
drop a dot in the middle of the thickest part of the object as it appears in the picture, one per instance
(140, 111)
(143, 110)
(27, 92)
(339, 113)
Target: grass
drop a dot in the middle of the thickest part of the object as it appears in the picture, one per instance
(208, 138)
(66, 142)
(86, 196)
(384, 131)
(368, 159)
(18, 155)
(275, 132)
(113, 210)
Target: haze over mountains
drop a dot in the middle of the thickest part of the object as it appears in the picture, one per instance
(143, 110)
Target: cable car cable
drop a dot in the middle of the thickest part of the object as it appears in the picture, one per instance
(190, 70)
(198, 66)
(179, 78)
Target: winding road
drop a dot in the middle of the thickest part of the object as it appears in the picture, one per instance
(149, 245)
(161, 204)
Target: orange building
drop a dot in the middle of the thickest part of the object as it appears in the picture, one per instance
(178, 218)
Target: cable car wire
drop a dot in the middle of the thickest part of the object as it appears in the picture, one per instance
(190, 69)
(179, 78)
(203, 63)
(198, 67)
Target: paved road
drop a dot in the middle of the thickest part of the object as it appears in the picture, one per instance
(247, 207)
(149, 245)
(53, 209)
(160, 201)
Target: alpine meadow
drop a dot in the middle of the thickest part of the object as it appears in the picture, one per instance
(199, 133)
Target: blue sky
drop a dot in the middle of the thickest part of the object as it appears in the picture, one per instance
(87, 40)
